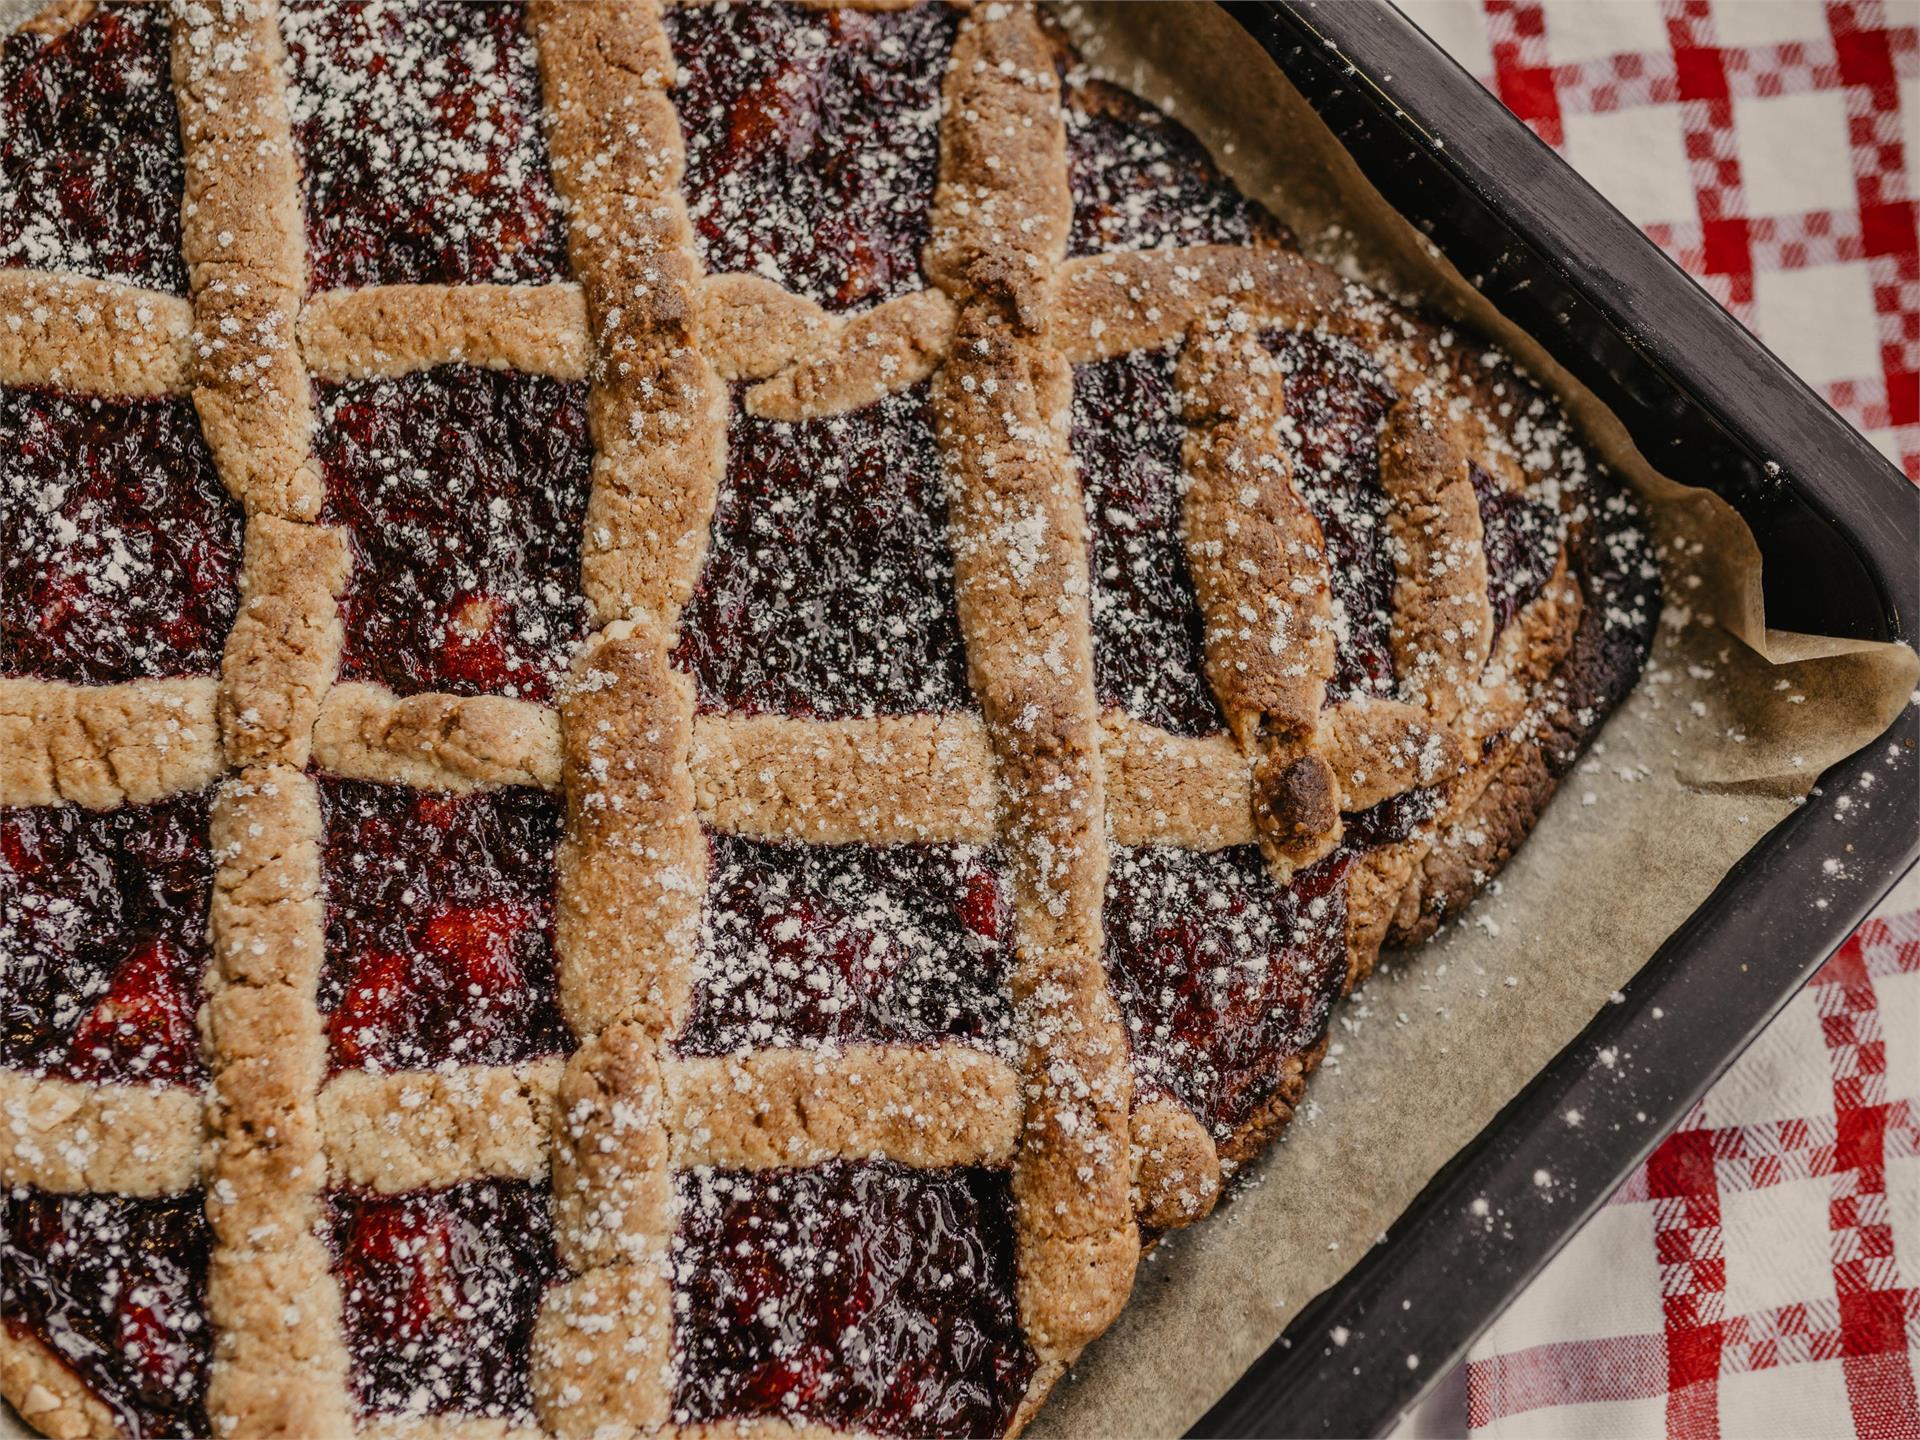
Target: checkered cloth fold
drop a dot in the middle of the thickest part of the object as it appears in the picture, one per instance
(1760, 1274)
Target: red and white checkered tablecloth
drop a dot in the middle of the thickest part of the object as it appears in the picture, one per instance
(1760, 1274)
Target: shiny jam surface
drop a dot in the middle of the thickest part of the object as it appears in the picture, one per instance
(418, 128)
(1222, 976)
(1522, 545)
(856, 1295)
(828, 585)
(119, 547)
(439, 926)
(1147, 648)
(439, 1290)
(117, 1288)
(820, 943)
(813, 142)
(1141, 180)
(1336, 403)
(103, 933)
(464, 491)
(90, 161)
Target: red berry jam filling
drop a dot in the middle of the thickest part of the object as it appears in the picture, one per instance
(1522, 545)
(103, 934)
(826, 943)
(1140, 180)
(90, 163)
(439, 927)
(1222, 975)
(117, 1288)
(1392, 819)
(1147, 648)
(119, 547)
(858, 1295)
(813, 142)
(465, 491)
(828, 585)
(439, 1290)
(418, 126)
(1337, 401)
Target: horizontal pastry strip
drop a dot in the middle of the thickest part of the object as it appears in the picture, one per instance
(420, 1129)
(102, 337)
(385, 330)
(926, 1106)
(106, 745)
(74, 1137)
(434, 741)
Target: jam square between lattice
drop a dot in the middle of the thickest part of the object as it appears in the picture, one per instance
(103, 934)
(823, 944)
(418, 128)
(439, 1290)
(116, 1287)
(828, 585)
(439, 927)
(119, 547)
(464, 491)
(90, 158)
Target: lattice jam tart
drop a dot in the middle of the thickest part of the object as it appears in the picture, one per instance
(699, 707)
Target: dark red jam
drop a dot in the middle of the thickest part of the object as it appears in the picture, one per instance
(419, 129)
(1337, 401)
(804, 943)
(858, 1295)
(1140, 180)
(1147, 643)
(117, 1288)
(103, 934)
(465, 491)
(439, 1290)
(119, 547)
(813, 142)
(1222, 975)
(90, 162)
(828, 585)
(1392, 819)
(1522, 545)
(439, 927)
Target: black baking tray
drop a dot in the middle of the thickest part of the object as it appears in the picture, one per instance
(1839, 531)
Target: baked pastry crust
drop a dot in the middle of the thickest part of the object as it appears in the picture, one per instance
(1043, 774)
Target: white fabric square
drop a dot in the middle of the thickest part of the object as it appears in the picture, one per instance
(1457, 27)
(1898, 998)
(1793, 153)
(1777, 1246)
(1903, 1213)
(1605, 1283)
(1782, 1076)
(1819, 320)
(1636, 158)
(1787, 1402)
(1602, 1420)
(1769, 22)
(1580, 30)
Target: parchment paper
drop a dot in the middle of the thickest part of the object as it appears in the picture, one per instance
(1726, 733)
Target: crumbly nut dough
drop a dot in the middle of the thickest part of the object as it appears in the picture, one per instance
(752, 327)
(876, 353)
(442, 1427)
(885, 780)
(1165, 789)
(421, 1129)
(603, 1353)
(385, 330)
(1381, 748)
(612, 1189)
(1176, 1174)
(928, 1107)
(285, 646)
(631, 869)
(73, 1138)
(102, 337)
(48, 1395)
(436, 742)
(280, 1363)
(252, 394)
(106, 745)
